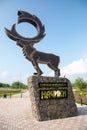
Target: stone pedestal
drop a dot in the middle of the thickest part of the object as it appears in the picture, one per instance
(51, 98)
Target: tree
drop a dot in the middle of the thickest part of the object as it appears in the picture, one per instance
(3, 85)
(80, 84)
(18, 85)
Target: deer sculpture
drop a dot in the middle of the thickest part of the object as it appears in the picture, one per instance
(27, 44)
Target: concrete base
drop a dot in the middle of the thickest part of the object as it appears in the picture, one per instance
(54, 106)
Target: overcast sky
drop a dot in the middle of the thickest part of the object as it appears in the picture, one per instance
(66, 35)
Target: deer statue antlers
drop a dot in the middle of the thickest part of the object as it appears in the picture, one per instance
(27, 43)
(26, 17)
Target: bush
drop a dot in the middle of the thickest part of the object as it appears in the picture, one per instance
(18, 85)
(3, 85)
(80, 84)
(5, 95)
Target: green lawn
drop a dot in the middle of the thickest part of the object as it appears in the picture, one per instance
(9, 92)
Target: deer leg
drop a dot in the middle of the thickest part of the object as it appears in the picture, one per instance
(39, 72)
(56, 70)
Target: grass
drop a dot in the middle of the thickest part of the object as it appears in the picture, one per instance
(9, 92)
(84, 93)
(80, 103)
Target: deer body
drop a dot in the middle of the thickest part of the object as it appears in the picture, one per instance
(27, 44)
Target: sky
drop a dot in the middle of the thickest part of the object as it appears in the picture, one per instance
(65, 24)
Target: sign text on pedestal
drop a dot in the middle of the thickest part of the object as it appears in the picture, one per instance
(54, 90)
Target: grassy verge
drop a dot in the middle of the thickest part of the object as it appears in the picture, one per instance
(9, 92)
(80, 103)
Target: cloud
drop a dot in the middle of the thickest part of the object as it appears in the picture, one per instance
(7, 77)
(4, 74)
(76, 67)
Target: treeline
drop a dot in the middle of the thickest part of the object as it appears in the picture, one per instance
(80, 84)
(14, 85)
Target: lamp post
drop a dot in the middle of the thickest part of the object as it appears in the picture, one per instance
(81, 98)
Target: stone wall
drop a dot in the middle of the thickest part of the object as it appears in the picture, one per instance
(50, 108)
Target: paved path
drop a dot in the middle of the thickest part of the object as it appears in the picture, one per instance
(15, 114)
(24, 95)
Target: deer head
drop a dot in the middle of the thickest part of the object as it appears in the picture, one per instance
(32, 19)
